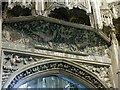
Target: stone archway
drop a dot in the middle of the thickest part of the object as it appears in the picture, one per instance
(49, 67)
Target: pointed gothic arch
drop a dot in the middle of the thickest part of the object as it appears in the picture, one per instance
(51, 67)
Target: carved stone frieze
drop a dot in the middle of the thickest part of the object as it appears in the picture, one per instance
(103, 72)
(57, 65)
(55, 36)
(14, 61)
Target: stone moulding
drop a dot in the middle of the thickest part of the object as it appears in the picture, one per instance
(53, 20)
(62, 65)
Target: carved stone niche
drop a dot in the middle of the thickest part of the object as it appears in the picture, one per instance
(16, 9)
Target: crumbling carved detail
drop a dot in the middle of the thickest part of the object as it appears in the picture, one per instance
(15, 3)
(12, 62)
(115, 8)
(57, 65)
(118, 10)
(57, 37)
(107, 18)
(103, 72)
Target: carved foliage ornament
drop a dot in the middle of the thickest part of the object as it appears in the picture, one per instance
(57, 37)
(57, 65)
(14, 61)
(103, 72)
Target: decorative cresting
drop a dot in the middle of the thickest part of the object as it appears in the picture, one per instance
(62, 65)
(42, 34)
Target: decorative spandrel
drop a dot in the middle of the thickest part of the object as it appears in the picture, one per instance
(42, 34)
(102, 72)
(57, 65)
(14, 61)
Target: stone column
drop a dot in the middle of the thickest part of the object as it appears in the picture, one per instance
(97, 14)
(114, 57)
(88, 6)
(66, 2)
(114, 12)
(38, 7)
(119, 69)
(119, 72)
(0, 46)
(33, 9)
(42, 2)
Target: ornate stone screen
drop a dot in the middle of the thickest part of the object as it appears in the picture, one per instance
(28, 43)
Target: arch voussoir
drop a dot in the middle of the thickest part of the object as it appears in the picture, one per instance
(56, 67)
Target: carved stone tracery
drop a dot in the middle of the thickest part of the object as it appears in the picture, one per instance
(12, 62)
(102, 72)
(57, 37)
